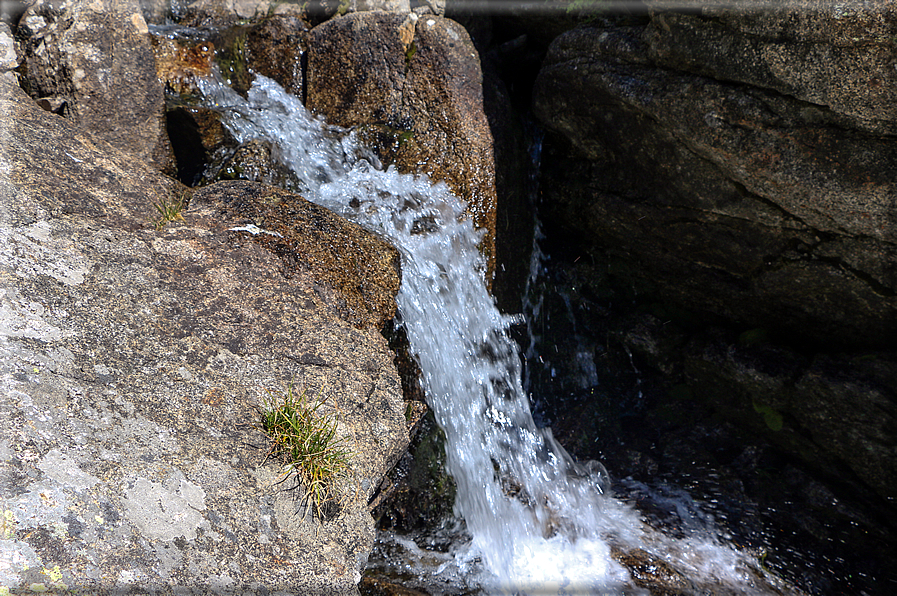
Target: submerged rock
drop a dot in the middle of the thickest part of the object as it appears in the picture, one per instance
(134, 356)
(655, 575)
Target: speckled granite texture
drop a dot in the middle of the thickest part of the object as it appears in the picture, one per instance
(132, 361)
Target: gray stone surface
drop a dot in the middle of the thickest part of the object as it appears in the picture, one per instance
(9, 58)
(845, 52)
(227, 12)
(132, 364)
(94, 61)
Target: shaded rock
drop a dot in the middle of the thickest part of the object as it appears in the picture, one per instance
(421, 493)
(253, 161)
(96, 58)
(515, 183)
(762, 209)
(770, 441)
(133, 360)
(413, 88)
(845, 53)
(831, 411)
(201, 143)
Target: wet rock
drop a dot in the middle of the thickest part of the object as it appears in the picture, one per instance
(760, 208)
(179, 64)
(274, 49)
(96, 59)
(420, 491)
(653, 574)
(253, 161)
(413, 88)
(371, 586)
(133, 359)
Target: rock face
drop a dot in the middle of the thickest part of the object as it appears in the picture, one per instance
(133, 360)
(845, 52)
(725, 163)
(93, 63)
(719, 198)
(413, 87)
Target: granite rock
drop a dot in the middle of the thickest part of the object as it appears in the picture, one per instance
(93, 62)
(760, 208)
(134, 358)
(412, 87)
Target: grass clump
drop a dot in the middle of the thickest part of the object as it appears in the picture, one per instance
(305, 441)
(169, 209)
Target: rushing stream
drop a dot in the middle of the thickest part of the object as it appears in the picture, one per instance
(538, 521)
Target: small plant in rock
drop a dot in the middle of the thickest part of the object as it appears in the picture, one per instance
(169, 209)
(305, 441)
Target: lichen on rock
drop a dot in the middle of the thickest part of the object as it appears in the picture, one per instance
(132, 361)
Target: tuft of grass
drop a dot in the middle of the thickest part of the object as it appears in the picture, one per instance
(169, 209)
(305, 441)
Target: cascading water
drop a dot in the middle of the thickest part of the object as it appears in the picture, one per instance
(539, 522)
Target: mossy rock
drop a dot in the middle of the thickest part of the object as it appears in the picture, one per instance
(425, 493)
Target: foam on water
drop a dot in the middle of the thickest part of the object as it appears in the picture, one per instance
(538, 521)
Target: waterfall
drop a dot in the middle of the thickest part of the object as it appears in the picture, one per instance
(539, 521)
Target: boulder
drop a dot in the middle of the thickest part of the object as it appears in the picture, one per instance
(763, 209)
(93, 62)
(845, 53)
(729, 177)
(413, 88)
(274, 49)
(135, 354)
(218, 13)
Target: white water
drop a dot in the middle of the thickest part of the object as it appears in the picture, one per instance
(539, 522)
